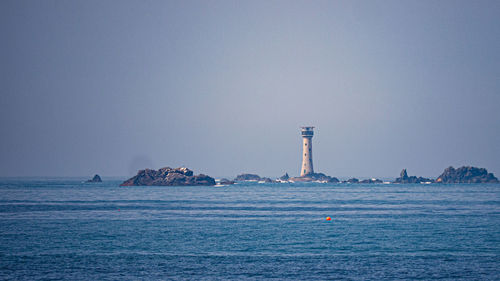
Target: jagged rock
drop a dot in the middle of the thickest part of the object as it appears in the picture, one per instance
(403, 174)
(247, 177)
(371, 181)
(285, 177)
(168, 177)
(404, 178)
(226, 182)
(466, 175)
(96, 178)
(353, 180)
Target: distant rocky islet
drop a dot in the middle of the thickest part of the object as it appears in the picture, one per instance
(466, 175)
(185, 177)
(168, 177)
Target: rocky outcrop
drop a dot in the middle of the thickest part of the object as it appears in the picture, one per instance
(96, 178)
(253, 177)
(323, 177)
(353, 180)
(168, 177)
(404, 178)
(371, 181)
(316, 177)
(247, 177)
(466, 175)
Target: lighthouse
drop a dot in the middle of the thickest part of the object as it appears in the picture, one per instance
(307, 158)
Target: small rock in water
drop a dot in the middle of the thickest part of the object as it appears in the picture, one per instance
(248, 177)
(371, 181)
(353, 180)
(226, 182)
(96, 178)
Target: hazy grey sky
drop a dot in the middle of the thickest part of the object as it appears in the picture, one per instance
(222, 87)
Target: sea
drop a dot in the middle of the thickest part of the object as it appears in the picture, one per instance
(65, 229)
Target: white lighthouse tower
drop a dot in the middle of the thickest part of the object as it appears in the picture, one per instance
(307, 157)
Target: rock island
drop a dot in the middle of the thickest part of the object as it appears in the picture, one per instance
(168, 177)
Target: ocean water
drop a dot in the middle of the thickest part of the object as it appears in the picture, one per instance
(62, 229)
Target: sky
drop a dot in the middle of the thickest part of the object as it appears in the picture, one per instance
(222, 87)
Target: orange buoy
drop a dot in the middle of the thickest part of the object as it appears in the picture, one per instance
(328, 218)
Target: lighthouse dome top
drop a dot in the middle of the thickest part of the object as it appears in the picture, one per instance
(307, 131)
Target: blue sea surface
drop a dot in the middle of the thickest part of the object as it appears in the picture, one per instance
(63, 229)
